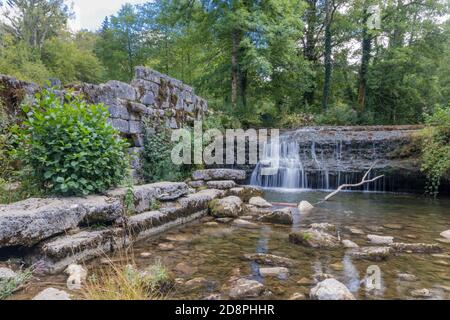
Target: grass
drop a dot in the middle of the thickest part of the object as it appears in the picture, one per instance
(123, 281)
(9, 286)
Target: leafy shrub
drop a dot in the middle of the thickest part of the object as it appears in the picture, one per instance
(69, 148)
(10, 285)
(436, 148)
(295, 120)
(338, 115)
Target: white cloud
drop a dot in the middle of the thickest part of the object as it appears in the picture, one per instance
(89, 14)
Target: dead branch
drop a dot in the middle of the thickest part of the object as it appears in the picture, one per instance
(363, 181)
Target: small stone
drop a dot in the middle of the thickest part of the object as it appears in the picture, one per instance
(224, 220)
(338, 266)
(305, 207)
(196, 283)
(371, 253)
(178, 238)
(322, 276)
(441, 263)
(421, 293)
(393, 226)
(416, 247)
(444, 241)
(380, 240)
(6, 273)
(305, 282)
(211, 224)
(185, 269)
(280, 272)
(214, 297)
(229, 207)
(281, 216)
(349, 244)
(411, 236)
(375, 228)
(297, 296)
(314, 239)
(355, 231)
(166, 246)
(441, 256)
(77, 275)
(327, 227)
(244, 288)
(259, 202)
(407, 277)
(145, 255)
(270, 259)
(52, 294)
(240, 223)
(445, 234)
(331, 289)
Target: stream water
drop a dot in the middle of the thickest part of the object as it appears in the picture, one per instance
(215, 251)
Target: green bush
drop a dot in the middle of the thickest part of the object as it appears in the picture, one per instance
(436, 148)
(338, 115)
(69, 148)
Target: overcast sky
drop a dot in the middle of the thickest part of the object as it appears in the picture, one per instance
(90, 13)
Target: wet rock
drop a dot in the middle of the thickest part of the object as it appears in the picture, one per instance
(211, 224)
(229, 207)
(441, 263)
(416, 247)
(393, 226)
(185, 269)
(338, 266)
(445, 234)
(219, 174)
(178, 238)
(214, 297)
(331, 289)
(77, 275)
(246, 192)
(380, 240)
(355, 231)
(224, 220)
(444, 241)
(52, 294)
(442, 287)
(441, 256)
(371, 253)
(6, 273)
(297, 296)
(327, 227)
(166, 246)
(407, 277)
(279, 272)
(305, 207)
(259, 202)
(319, 277)
(270, 259)
(221, 185)
(281, 216)
(314, 239)
(244, 288)
(28, 222)
(375, 228)
(196, 283)
(306, 282)
(349, 244)
(257, 211)
(145, 255)
(240, 223)
(421, 293)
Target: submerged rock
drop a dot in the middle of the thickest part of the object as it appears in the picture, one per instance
(314, 239)
(52, 294)
(196, 283)
(240, 223)
(280, 272)
(445, 234)
(281, 216)
(331, 289)
(371, 253)
(185, 269)
(305, 207)
(259, 202)
(349, 244)
(246, 192)
(421, 293)
(306, 282)
(270, 259)
(229, 207)
(327, 227)
(407, 277)
(380, 240)
(244, 288)
(393, 226)
(355, 231)
(297, 296)
(416, 247)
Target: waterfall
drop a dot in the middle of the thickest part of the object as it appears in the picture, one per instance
(305, 159)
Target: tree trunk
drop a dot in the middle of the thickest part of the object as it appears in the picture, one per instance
(234, 69)
(365, 59)
(310, 44)
(328, 52)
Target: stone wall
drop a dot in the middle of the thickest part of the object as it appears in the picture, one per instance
(151, 97)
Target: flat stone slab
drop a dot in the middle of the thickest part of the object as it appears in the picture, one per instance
(28, 222)
(52, 294)
(416, 247)
(219, 174)
(279, 272)
(221, 185)
(371, 253)
(270, 260)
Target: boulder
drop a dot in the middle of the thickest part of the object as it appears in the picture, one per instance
(246, 192)
(255, 211)
(52, 294)
(445, 234)
(327, 227)
(380, 240)
(314, 238)
(229, 207)
(305, 207)
(349, 244)
(77, 275)
(259, 202)
(416, 247)
(6, 273)
(28, 222)
(371, 253)
(219, 174)
(244, 288)
(240, 223)
(279, 272)
(281, 216)
(331, 289)
(421, 293)
(221, 185)
(270, 259)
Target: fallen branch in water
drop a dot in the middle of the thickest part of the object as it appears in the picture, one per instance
(363, 181)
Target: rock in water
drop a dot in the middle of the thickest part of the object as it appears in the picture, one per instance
(244, 288)
(349, 244)
(77, 275)
(314, 239)
(407, 277)
(282, 216)
(270, 259)
(246, 192)
(240, 223)
(380, 240)
(327, 227)
(421, 293)
(305, 207)
(297, 296)
(52, 294)
(331, 289)
(229, 207)
(371, 253)
(416, 247)
(280, 272)
(445, 234)
(259, 202)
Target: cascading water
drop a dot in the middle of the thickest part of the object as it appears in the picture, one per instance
(305, 159)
